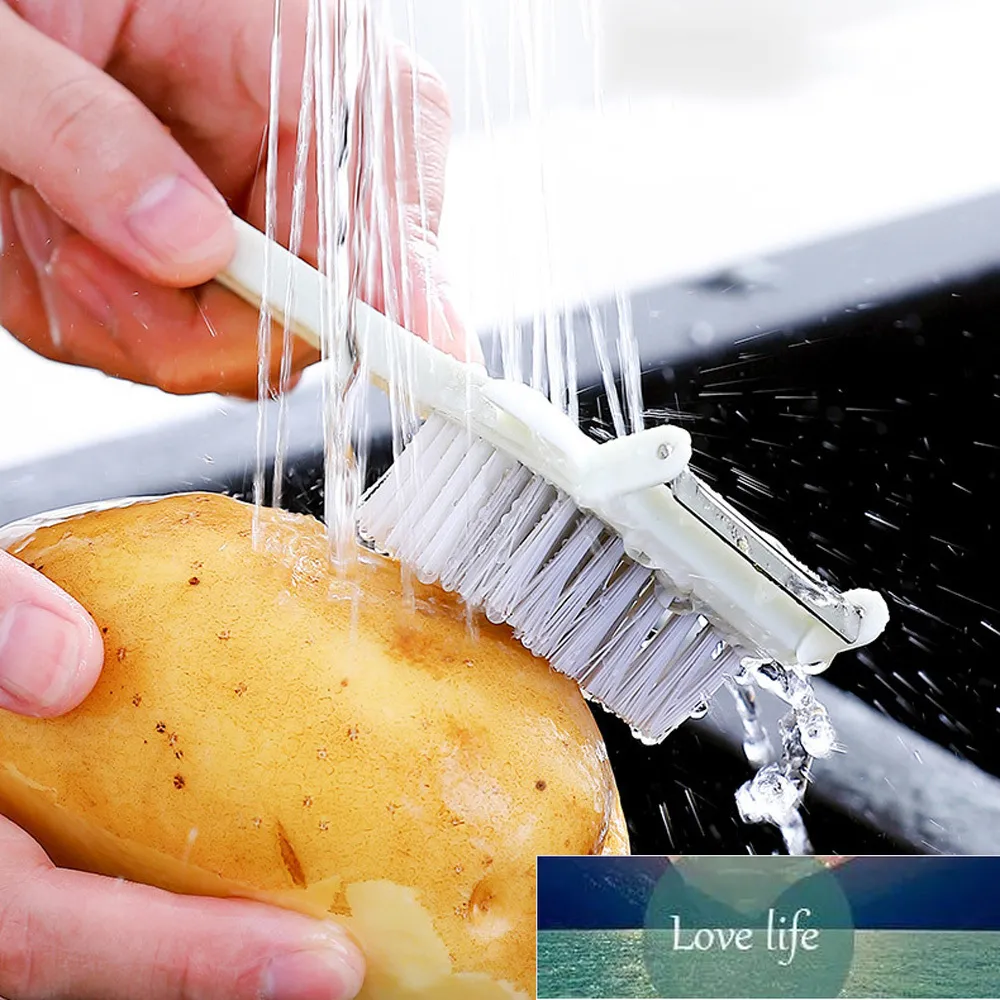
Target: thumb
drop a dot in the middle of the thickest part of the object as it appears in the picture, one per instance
(51, 652)
(71, 934)
(104, 162)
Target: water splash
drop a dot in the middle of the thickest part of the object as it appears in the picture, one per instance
(340, 117)
(264, 323)
(774, 795)
(756, 744)
(303, 143)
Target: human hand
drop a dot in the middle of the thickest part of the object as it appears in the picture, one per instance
(69, 934)
(129, 135)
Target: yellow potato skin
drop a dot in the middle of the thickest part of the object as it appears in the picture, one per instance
(264, 727)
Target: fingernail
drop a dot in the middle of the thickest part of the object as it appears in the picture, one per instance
(81, 288)
(39, 658)
(180, 223)
(34, 225)
(330, 974)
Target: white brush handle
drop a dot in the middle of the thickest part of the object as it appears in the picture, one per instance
(509, 415)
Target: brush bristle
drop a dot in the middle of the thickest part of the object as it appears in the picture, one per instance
(462, 514)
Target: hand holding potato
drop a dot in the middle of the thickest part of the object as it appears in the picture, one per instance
(68, 934)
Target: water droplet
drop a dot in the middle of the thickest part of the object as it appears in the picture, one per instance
(757, 752)
(818, 736)
(788, 684)
(775, 792)
(768, 797)
(646, 741)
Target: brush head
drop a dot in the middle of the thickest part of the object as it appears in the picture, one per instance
(467, 515)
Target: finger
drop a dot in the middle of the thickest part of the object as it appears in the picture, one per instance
(227, 51)
(89, 32)
(104, 163)
(69, 934)
(170, 55)
(51, 652)
(21, 308)
(39, 313)
(184, 342)
(108, 317)
(422, 136)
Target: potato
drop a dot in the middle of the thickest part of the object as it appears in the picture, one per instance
(348, 746)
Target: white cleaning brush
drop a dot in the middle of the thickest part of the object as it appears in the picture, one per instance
(613, 561)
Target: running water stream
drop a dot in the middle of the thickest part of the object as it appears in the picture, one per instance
(351, 134)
